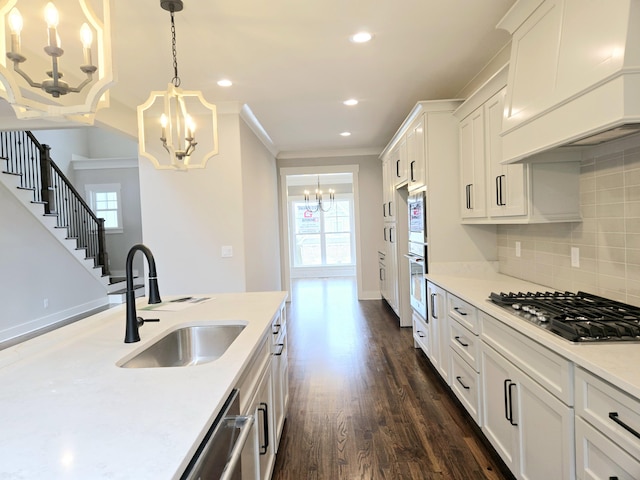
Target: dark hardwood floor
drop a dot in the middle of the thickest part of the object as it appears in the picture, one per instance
(364, 404)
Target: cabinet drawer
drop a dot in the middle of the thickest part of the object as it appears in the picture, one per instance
(463, 312)
(613, 412)
(549, 369)
(597, 457)
(465, 383)
(421, 333)
(249, 379)
(465, 343)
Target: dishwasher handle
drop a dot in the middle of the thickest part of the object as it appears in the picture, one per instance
(245, 422)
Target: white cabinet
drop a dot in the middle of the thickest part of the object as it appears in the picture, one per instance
(280, 375)
(399, 165)
(522, 419)
(545, 189)
(438, 330)
(506, 185)
(472, 166)
(464, 343)
(390, 275)
(607, 430)
(421, 334)
(416, 159)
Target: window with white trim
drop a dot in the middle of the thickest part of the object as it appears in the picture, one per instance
(105, 201)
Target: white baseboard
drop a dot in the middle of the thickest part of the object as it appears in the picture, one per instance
(370, 295)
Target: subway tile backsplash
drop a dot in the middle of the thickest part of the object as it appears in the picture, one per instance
(608, 238)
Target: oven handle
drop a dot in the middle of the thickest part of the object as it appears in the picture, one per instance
(245, 429)
(414, 258)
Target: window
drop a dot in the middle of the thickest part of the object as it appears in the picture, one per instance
(105, 202)
(323, 238)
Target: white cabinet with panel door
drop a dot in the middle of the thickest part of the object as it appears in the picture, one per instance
(416, 157)
(399, 165)
(280, 375)
(438, 330)
(472, 166)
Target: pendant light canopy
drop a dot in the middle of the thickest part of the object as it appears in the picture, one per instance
(177, 129)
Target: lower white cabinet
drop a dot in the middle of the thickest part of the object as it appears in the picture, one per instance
(438, 330)
(465, 383)
(607, 430)
(421, 334)
(280, 376)
(530, 428)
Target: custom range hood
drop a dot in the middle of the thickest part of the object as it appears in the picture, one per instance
(574, 74)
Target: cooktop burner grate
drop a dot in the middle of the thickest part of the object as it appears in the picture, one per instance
(577, 317)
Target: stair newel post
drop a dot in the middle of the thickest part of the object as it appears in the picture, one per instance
(102, 250)
(46, 190)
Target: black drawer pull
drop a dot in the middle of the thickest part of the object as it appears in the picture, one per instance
(459, 379)
(613, 478)
(420, 334)
(614, 416)
(511, 405)
(281, 345)
(264, 408)
(457, 309)
(460, 342)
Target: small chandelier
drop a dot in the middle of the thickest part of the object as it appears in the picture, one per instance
(173, 114)
(318, 203)
(96, 71)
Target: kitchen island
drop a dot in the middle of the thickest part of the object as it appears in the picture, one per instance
(68, 411)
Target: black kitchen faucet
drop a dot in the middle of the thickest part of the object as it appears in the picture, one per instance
(133, 321)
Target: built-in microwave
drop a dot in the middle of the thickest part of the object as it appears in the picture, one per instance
(417, 205)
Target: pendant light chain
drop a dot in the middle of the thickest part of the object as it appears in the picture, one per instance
(176, 79)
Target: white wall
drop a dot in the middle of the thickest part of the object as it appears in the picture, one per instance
(187, 217)
(34, 266)
(370, 200)
(260, 212)
(65, 143)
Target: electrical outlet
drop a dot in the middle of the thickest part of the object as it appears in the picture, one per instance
(45, 303)
(227, 251)
(575, 257)
(518, 249)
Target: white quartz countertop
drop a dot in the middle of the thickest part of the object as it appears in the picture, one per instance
(617, 363)
(67, 411)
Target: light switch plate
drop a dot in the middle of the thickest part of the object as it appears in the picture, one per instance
(518, 249)
(575, 257)
(227, 251)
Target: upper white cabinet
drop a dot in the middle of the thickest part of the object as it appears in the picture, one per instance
(574, 72)
(416, 160)
(399, 165)
(545, 189)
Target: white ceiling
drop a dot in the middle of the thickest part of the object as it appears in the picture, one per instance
(292, 63)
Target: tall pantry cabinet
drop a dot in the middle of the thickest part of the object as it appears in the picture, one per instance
(424, 152)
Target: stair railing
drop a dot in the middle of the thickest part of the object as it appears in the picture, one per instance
(27, 158)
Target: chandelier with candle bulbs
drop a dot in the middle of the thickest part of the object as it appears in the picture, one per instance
(54, 85)
(318, 205)
(172, 114)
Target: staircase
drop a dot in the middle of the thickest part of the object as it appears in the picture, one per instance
(46, 192)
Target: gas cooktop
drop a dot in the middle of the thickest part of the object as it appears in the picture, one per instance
(578, 317)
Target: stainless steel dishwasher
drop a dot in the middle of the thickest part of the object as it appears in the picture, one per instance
(218, 456)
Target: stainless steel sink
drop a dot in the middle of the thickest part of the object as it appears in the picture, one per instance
(186, 346)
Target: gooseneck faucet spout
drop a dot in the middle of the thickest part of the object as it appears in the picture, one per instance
(133, 322)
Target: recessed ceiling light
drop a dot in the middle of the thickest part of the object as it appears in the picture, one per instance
(345, 134)
(225, 83)
(361, 37)
(350, 102)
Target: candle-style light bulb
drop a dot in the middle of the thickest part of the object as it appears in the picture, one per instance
(15, 21)
(163, 124)
(15, 25)
(51, 15)
(191, 126)
(86, 35)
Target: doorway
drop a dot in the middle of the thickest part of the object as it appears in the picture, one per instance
(320, 240)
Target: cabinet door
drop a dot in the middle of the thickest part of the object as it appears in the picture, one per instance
(438, 330)
(391, 267)
(279, 372)
(472, 166)
(400, 164)
(416, 159)
(545, 431)
(506, 185)
(264, 421)
(497, 405)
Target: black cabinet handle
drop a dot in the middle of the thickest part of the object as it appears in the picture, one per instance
(420, 334)
(500, 190)
(613, 478)
(511, 405)
(459, 379)
(281, 345)
(385, 234)
(468, 194)
(460, 341)
(614, 416)
(398, 168)
(411, 165)
(433, 306)
(384, 209)
(264, 408)
(276, 329)
(381, 271)
(391, 234)
(457, 309)
(390, 214)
